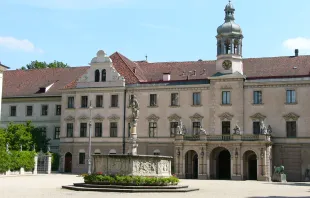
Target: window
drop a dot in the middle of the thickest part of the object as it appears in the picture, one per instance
(44, 110)
(291, 129)
(84, 102)
(152, 129)
(57, 133)
(97, 75)
(196, 128)
(104, 75)
(173, 128)
(256, 128)
(226, 128)
(13, 111)
(98, 129)
(83, 129)
(99, 101)
(290, 96)
(153, 100)
(174, 99)
(258, 97)
(129, 129)
(70, 102)
(113, 129)
(58, 109)
(114, 100)
(69, 129)
(81, 158)
(43, 131)
(196, 99)
(29, 110)
(226, 97)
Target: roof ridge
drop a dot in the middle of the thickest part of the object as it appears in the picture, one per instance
(120, 55)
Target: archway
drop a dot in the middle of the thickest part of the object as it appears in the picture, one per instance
(68, 163)
(191, 165)
(250, 165)
(220, 164)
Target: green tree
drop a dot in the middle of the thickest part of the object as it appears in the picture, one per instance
(41, 65)
(39, 138)
(19, 134)
(2, 139)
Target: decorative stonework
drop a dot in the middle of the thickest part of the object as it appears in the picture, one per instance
(98, 117)
(83, 117)
(226, 87)
(196, 117)
(258, 116)
(291, 117)
(129, 118)
(174, 117)
(69, 118)
(114, 118)
(226, 116)
(153, 118)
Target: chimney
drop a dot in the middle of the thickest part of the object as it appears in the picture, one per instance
(296, 52)
(166, 76)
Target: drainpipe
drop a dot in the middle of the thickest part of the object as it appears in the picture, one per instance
(124, 121)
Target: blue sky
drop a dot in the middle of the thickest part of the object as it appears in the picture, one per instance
(73, 31)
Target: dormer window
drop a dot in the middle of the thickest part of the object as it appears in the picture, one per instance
(104, 75)
(97, 75)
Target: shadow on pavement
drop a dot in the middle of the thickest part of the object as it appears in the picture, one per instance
(292, 183)
(278, 197)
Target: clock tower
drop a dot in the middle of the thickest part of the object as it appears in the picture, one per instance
(229, 44)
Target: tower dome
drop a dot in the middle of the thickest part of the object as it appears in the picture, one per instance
(229, 26)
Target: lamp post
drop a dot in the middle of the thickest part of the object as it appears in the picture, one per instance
(89, 141)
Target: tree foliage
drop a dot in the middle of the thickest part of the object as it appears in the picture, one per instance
(41, 65)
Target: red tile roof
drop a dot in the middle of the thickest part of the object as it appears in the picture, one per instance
(27, 82)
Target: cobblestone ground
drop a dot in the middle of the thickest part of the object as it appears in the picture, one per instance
(49, 186)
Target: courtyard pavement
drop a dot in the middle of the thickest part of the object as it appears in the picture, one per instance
(49, 186)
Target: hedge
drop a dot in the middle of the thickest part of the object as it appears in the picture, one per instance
(15, 160)
(129, 180)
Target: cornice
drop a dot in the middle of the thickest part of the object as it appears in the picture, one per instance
(275, 85)
(175, 88)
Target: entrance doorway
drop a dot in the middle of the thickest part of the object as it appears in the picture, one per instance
(68, 163)
(191, 165)
(220, 164)
(250, 165)
(224, 165)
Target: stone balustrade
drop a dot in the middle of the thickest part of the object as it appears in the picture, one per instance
(204, 137)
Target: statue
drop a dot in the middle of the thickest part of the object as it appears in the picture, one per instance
(7, 147)
(181, 130)
(278, 175)
(134, 105)
(269, 130)
(48, 149)
(202, 130)
(237, 130)
(279, 170)
(263, 128)
(21, 147)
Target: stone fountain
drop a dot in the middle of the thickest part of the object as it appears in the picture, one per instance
(132, 163)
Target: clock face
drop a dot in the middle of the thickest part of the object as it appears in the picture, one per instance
(227, 64)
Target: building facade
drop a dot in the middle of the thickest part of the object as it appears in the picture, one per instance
(238, 117)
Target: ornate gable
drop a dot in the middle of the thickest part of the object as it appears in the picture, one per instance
(153, 118)
(98, 117)
(69, 118)
(114, 118)
(258, 116)
(196, 117)
(83, 117)
(226, 116)
(291, 117)
(174, 117)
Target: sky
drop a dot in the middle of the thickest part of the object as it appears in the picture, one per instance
(72, 31)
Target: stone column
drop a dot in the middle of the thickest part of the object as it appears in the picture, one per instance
(202, 162)
(35, 170)
(49, 163)
(134, 145)
(208, 167)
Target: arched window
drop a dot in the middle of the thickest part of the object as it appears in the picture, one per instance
(104, 75)
(97, 75)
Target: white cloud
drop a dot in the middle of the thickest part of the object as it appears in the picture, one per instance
(300, 43)
(16, 44)
(71, 4)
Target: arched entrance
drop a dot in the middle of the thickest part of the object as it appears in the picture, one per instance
(220, 167)
(68, 163)
(191, 165)
(249, 165)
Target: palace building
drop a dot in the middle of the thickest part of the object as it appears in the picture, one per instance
(255, 112)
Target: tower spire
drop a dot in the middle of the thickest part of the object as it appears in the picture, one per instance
(229, 12)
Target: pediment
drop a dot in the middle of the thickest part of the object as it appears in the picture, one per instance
(83, 117)
(153, 117)
(69, 118)
(258, 116)
(98, 117)
(226, 116)
(174, 117)
(114, 118)
(291, 117)
(196, 117)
